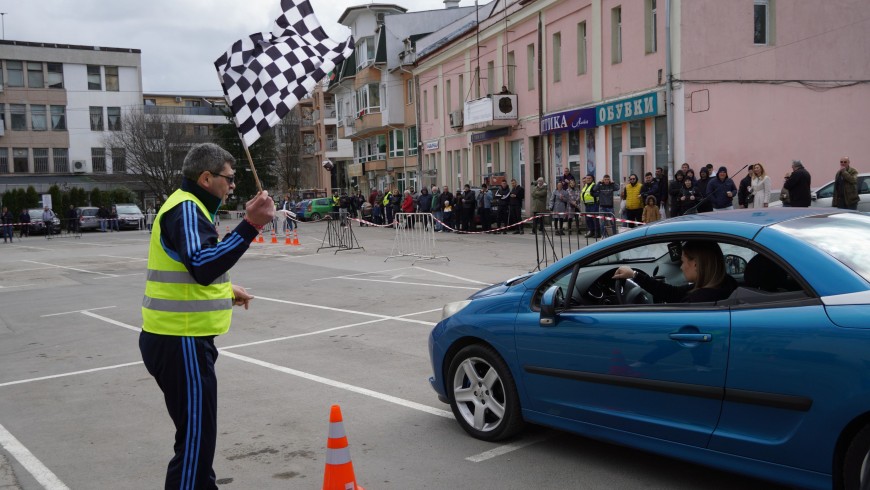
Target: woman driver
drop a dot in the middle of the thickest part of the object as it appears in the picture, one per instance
(704, 268)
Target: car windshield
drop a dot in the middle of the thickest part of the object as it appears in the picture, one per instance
(89, 212)
(843, 235)
(36, 213)
(128, 209)
(646, 253)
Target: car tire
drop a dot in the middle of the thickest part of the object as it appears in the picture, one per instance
(315, 216)
(856, 462)
(483, 394)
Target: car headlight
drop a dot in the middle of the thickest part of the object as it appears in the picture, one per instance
(451, 309)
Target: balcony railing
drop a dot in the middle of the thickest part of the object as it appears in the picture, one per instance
(309, 149)
(331, 144)
(184, 111)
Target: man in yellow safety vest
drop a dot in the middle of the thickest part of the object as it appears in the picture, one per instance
(188, 301)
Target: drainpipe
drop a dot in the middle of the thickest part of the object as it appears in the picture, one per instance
(669, 90)
(544, 166)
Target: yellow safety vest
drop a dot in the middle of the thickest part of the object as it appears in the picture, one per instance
(588, 198)
(174, 303)
(632, 197)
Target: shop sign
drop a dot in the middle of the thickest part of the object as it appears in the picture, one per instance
(488, 135)
(432, 145)
(628, 109)
(568, 120)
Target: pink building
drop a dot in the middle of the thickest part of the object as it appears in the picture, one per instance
(753, 80)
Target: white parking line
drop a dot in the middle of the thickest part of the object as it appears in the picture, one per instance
(70, 268)
(76, 242)
(343, 386)
(410, 283)
(31, 246)
(18, 286)
(113, 322)
(40, 472)
(76, 311)
(360, 274)
(73, 373)
(122, 275)
(456, 277)
(123, 257)
(501, 450)
(341, 310)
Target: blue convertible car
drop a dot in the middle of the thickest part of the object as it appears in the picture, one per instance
(772, 380)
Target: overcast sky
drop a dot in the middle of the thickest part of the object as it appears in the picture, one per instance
(179, 39)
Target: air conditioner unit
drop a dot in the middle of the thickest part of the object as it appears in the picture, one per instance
(178, 99)
(504, 106)
(456, 119)
(79, 166)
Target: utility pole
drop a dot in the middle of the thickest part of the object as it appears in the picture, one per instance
(3, 19)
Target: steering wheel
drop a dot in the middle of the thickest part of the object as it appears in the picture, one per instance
(619, 289)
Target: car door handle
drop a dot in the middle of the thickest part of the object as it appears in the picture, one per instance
(691, 337)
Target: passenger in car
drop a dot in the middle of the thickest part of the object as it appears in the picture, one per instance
(703, 266)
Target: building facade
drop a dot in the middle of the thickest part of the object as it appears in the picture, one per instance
(588, 82)
(57, 104)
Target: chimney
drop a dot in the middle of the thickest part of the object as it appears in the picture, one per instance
(451, 4)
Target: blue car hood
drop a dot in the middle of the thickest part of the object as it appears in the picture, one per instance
(501, 287)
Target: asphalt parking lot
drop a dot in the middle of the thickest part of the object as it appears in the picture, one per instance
(78, 409)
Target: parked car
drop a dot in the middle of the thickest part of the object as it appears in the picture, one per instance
(88, 218)
(37, 226)
(130, 216)
(771, 382)
(318, 208)
(824, 195)
(301, 208)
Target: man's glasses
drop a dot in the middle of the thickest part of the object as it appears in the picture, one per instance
(231, 179)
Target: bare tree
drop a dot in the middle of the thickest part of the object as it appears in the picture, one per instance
(155, 145)
(288, 166)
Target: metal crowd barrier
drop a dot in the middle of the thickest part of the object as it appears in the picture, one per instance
(415, 237)
(339, 234)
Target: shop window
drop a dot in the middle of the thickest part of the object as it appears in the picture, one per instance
(616, 152)
(637, 134)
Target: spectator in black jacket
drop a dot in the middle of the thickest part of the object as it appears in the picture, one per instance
(7, 220)
(662, 182)
(446, 204)
(721, 190)
(675, 189)
(744, 194)
(424, 205)
(468, 204)
(701, 190)
(24, 223)
(502, 194)
(797, 183)
(515, 205)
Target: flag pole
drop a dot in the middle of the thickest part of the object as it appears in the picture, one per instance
(251, 163)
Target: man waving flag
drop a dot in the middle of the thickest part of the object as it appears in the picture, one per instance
(265, 74)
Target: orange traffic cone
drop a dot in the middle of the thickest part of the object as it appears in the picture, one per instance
(339, 470)
(286, 237)
(260, 237)
(274, 237)
(295, 241)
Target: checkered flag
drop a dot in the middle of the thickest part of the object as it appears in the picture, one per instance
(265, 74)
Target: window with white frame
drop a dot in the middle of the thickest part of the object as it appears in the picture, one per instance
(58, 118)
(38, 119)
(61, 160)
(40, 160)
(55, 75)
(616, 35)
(762, 22)
(113, 117)
(98, 160)
(368, 99)
(448, 96)
(96, 114)
(426, 105)
(15, 73)
(412, 140)
(397, 143)
(557, 57)
(651, 29)
(95, 81)
(581, 48)
(477, 82)
(490, 77)
(365, 52)
(460, 82)
(35, 76)
(530, 65)
(112, 81)
(378, 150)
(409, 88)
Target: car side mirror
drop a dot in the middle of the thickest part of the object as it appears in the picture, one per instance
(735, 264)
(551, 302)
(813, 196)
